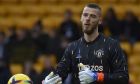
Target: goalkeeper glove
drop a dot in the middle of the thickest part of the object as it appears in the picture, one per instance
(52, 79)
(86, 76)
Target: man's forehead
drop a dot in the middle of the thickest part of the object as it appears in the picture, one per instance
(91, 10)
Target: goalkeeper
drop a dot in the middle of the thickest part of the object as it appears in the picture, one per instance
(101, 58)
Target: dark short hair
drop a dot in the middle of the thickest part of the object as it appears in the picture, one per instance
(93, 5)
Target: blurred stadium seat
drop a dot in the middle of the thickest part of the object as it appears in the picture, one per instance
(48, 8)
(6, 22)
(29, 1)
(51, 21)
(53, 60)
(16, 10)
(3, 10)
(20, 22)
(128, 1)
(27, 22)
(38, 67)
(126, 47)
(108, 1)
(134, 63)
(36, 10)
(49, 1)
(70, 1)
(16, 68)
(9, 1)
(136, 49)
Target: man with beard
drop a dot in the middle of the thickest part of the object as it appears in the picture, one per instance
(102, 57)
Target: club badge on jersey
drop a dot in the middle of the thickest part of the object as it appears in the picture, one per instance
(99, 53)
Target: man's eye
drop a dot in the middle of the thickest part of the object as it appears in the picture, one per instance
(85, 14)
(93, 16)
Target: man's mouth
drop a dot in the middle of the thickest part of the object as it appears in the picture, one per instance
(87, 24)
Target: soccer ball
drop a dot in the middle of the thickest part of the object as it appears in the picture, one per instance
(20, 79)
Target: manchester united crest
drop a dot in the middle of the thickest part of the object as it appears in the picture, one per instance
(99, 53)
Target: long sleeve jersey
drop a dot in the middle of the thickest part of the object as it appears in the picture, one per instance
(101, 55)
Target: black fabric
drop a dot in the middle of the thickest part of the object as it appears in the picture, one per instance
(101, 55)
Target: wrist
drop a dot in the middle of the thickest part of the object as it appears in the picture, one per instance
(97, 76)
(100, 76)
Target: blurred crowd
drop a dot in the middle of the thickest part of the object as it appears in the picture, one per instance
(36, 46)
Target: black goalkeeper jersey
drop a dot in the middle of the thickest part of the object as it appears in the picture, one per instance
(102, 55)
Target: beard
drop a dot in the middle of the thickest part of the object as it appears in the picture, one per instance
(91, 30)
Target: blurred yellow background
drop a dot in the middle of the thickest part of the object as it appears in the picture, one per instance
(25, 13)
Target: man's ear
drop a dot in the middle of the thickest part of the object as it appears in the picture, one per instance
(81, 19)
(100, 21)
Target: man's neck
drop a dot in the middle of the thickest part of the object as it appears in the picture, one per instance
(91, 37)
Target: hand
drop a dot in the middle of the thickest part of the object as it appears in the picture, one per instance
(86, 76)
(52, 79)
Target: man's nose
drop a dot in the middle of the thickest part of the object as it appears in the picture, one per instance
(88, 18)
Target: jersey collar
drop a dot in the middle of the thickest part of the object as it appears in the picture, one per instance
(92, 42)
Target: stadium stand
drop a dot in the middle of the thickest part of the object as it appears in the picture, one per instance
(25, 13)
(42, 8)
